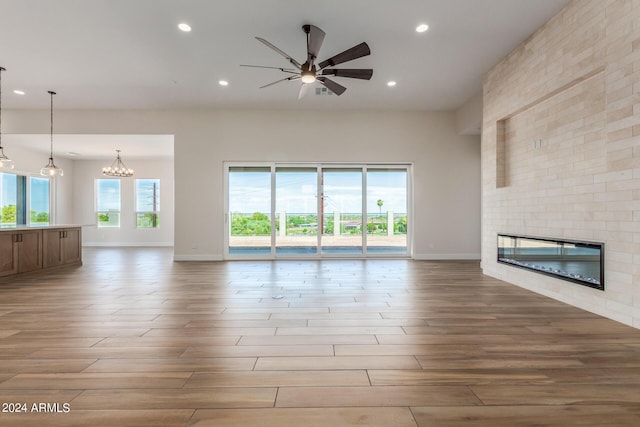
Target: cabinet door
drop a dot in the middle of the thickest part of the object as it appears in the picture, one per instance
(29, 251)
(8, 254)
(71, 250)
(51, 248)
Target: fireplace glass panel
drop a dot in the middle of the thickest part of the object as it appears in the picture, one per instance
(575, 261)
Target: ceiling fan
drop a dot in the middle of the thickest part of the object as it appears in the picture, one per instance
(311, 71)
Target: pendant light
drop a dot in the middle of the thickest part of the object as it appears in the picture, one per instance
(5, 162)
(117, 168)
(51, 169)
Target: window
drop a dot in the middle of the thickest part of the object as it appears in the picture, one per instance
(108, 202)
(39, 201)
(14, 203)
(147, 203)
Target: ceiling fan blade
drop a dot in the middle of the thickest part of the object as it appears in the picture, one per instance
(315, 37)
(304, 87)
(354, 73)
(286, 70)
(334, 87)
(355, 52)
(281, 52)
(281, 80)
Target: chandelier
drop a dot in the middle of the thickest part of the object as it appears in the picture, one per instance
(117, 168)
(50, 168)
(5, 162)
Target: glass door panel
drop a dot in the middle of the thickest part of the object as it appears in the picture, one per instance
(386, 211)
(296, 211)
(341, 211)
(249, 216)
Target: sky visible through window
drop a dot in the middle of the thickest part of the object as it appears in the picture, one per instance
(8, 189)
(250, 191)
(144, 195)
(108, 195)
(39, 194)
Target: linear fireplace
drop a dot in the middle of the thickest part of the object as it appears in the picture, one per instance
(572, 260)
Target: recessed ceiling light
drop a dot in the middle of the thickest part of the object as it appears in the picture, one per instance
(18, 92)
(72, 153)
(184, 27)
(223, 83)
(391, 83)
(422, 28)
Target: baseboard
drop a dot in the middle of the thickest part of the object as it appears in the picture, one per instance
(197, 257)
(420, 257)
(444, 257)
(127, 244)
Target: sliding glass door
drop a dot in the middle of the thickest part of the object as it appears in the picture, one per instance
(317, 211)
(342, 211)
(387, 207)
(249, 213)
(296, 214)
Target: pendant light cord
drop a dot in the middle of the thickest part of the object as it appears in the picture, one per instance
(1, 70)
(52, 93)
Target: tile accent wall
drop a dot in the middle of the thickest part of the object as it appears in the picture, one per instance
(561, 149)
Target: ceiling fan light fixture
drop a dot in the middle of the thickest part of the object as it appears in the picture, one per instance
(308, 77)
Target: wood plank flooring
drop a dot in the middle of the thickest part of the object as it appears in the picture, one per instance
(131, 338)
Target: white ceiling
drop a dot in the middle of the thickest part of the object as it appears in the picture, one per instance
(113, 54)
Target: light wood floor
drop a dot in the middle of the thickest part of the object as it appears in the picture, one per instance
(133, 339)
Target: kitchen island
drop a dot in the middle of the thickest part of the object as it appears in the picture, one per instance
(28, 249)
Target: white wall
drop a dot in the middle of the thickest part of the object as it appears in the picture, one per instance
(469, 116)
(87, 171)
(446, 165)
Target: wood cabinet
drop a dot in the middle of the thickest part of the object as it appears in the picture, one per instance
(20, 251)
(61, 246)
(30, 249)
(8, 254)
